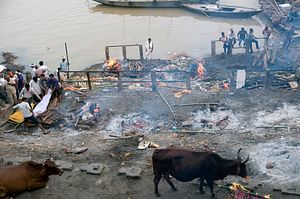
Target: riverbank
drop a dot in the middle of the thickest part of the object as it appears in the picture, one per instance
(264, 122)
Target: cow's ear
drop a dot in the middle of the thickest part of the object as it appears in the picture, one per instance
(43, 172)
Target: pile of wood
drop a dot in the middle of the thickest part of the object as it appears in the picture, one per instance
(51, 116)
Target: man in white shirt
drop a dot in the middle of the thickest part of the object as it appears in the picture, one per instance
(44, 68)
(3, 84)
(149, 49)
(33, 70)
(29, 94)
(34, 84)
(25, 108)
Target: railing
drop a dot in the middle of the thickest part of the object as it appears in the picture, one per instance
(90, 77)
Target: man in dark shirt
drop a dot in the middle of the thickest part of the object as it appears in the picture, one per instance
(53, 84)
(242, 36)
(252, 39)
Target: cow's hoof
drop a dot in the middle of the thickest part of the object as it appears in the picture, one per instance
(174, 188)
(202, 192)
(157, 194)
(213, 196)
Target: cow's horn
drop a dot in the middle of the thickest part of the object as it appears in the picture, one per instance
(246, 160)
(238, 153)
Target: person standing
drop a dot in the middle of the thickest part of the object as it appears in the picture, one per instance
(53, 84)
(267, 33)
(149, 48)
(43, 84)
(11, 90)
(33, 70)
(3, 94)
(242, 36)
(25, 108)
(232, 38)
(63, 66)
(44, 68)
(226, 44)
(252, 39)
(21, 81)
(34, 84)
(29, 94)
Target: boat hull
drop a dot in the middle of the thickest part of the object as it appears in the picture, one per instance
(142, 4)
(223, 14)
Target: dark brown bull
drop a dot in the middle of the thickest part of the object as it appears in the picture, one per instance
(185, 165)
(26, 177)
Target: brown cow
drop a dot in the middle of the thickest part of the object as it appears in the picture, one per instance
(26, 177)
(185, 165)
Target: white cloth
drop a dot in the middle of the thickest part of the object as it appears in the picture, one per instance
(240, 79)
(25, 108)
(42, 106)
(35, 86)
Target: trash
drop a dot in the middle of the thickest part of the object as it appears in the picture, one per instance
(76, 150)
(131, 172)
(240, 79)
(146, 144)
(179, 94)
(293, 84)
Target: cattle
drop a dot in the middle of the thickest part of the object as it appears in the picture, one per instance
(186, 165)
(26, 177)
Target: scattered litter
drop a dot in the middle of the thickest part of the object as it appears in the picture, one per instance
(76, 150)
(146, 144)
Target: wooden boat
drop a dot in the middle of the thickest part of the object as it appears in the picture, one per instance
(214, 10)
(150, 3)
(142, 3)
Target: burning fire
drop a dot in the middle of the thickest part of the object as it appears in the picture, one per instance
(241, 192)
(113, 64)
(200, 70)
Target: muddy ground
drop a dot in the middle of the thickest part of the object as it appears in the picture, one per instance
(251, 117)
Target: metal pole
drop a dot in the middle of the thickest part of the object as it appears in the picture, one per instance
(68, 62)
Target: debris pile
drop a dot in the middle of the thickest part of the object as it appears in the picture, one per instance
(87, 116)
(140, 122)
(214, 117)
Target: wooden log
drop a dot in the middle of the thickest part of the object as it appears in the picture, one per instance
(196, 104)
(171, 110)
(89, 80)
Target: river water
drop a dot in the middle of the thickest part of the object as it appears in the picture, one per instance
(37, 30)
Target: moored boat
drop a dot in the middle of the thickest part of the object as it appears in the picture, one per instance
(150, 3)
(142, 3)
(215, 10)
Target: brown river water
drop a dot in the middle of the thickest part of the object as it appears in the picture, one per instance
(37, 30)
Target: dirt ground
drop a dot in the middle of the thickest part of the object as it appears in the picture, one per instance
(242, 130)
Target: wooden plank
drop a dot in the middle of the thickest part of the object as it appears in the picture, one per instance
(153, 81)
(170, 108)
(196, 104)
(89, 80)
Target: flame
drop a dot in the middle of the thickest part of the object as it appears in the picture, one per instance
(238, 187)
(113, 64)
(200, 70)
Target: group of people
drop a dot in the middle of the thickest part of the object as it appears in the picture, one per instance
(243, 37)
(14, 89)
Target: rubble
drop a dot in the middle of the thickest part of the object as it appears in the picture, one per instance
(131, 172)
